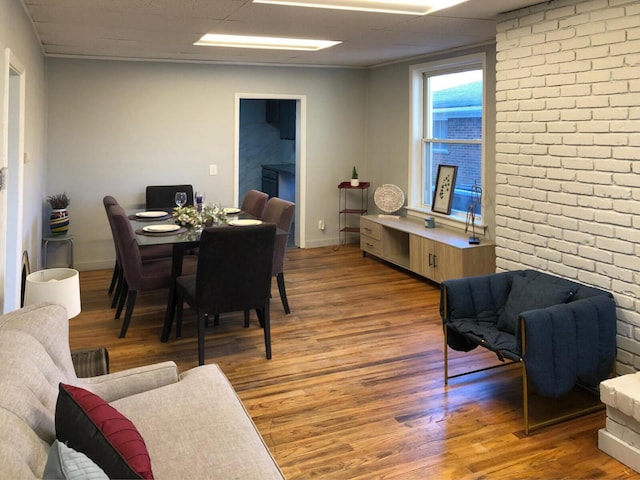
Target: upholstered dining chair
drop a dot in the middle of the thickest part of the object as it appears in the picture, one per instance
(280, 212)
(138, 275)
(147, 252)
(164, 196)
(234, 274)
(254, 203)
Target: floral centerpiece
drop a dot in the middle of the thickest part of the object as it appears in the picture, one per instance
(189, 216)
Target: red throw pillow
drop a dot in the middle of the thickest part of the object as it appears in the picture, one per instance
(90, 425)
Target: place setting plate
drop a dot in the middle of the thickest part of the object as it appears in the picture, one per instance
(243, 222)
(231, 210)
(152, 214)
(162, 228)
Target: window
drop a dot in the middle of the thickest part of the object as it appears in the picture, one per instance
(447, 128)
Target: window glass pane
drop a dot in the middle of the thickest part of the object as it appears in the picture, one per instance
(454, 113)
(468, 159)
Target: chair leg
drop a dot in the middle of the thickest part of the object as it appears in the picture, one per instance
(122, 298)
(267, 330)
(216, 320)
(283, 292)
(179, 309)
(131, 301)
(260, 314)
(118, 292)
(114, 278)
(200, 338)
(246, 318)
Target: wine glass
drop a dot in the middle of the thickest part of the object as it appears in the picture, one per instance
(181, 198)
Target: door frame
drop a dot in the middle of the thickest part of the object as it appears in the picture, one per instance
(12, 192)
(301, 154)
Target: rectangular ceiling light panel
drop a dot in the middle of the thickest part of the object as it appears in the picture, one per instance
(407, 7)
(271, 43)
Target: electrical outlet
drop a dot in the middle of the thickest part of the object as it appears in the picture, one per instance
(213, 169)
(320, 224)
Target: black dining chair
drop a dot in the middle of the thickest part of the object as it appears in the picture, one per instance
(160, 197)
(280, 212)
(138, 275)
(234, 274)
(254, 203)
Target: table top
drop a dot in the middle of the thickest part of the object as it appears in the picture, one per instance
(182, 236)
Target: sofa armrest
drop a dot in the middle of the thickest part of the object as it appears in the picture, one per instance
(114, 386)
(569, 343)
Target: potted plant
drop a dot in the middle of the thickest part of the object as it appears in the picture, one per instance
(59, 218)
(354, 177)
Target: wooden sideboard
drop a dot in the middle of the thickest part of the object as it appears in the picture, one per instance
(435, 253)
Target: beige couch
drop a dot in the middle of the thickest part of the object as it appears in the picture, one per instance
(193, 424)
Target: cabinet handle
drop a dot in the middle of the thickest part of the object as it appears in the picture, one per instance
(370, 245)
(429, 259)
(435, 261)
(367, 229)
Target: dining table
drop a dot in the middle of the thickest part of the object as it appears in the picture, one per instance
(160, 228)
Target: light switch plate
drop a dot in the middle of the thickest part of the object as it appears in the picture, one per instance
(213, 169)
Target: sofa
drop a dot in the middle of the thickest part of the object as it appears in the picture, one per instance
(562, 332)
(192, 425)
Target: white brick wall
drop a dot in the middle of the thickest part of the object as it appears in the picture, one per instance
(568, 149)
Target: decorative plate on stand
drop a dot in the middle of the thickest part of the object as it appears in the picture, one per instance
(389, 198)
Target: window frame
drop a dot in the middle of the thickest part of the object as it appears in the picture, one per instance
(418, 126)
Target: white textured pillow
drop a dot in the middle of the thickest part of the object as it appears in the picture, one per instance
(67, 464)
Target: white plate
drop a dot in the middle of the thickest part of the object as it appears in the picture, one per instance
(388, 198)
(244, 222)
(231, 210)
(164, 228)
(153, 214)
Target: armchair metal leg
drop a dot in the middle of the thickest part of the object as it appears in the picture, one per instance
(529, 427)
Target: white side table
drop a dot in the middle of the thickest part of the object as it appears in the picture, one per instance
(60, 238)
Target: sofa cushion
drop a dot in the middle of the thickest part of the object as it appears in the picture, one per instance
(530, 293)
(90, 425)
(64, 463)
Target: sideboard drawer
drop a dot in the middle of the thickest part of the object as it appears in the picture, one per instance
(370, 229)
(371, 245)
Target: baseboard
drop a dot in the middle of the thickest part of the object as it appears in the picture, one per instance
(619, 449)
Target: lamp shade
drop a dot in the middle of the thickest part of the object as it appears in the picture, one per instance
(54, 285)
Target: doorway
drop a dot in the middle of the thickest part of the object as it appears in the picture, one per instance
(269, 151)
(12, 184)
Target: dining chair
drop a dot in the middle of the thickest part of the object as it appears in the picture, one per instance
(147, 252)
(233, 274)
(164, 196)
(280, 212)
(254, 203)
(138, 276)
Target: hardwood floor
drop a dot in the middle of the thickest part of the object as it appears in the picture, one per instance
(355, 388)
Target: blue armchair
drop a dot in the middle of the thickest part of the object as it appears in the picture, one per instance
(561, 332)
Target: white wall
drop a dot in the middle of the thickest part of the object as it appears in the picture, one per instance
(16, 33)
(115, 127)
(568, 143)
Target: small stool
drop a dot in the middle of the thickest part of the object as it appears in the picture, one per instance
(62, 238)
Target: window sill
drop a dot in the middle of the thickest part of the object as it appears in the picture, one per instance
(455, 221)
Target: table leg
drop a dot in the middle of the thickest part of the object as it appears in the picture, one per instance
(176, 270)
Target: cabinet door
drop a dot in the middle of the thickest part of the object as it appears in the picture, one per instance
(447, 262)
(439, 261)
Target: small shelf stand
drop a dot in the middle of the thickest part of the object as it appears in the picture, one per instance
(344, 210)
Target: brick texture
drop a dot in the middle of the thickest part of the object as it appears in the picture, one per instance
(568, 149)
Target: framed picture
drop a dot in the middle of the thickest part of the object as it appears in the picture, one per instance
(445, 185)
